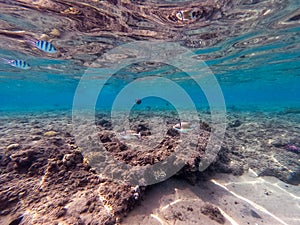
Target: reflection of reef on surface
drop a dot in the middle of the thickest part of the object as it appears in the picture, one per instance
(84, 30)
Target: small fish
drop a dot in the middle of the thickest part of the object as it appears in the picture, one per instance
(18, 63)
(129, 134)
(43, 45)
(138, 101)
(182, 130)
(182, 127)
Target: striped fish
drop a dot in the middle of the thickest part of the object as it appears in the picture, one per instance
(45, 46)
(21, 64)
(18, 63)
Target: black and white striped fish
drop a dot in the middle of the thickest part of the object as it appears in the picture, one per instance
(18, 63)
(45, 46)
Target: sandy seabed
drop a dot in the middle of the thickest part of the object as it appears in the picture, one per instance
(48, 178)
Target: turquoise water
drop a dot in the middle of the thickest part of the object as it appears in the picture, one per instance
(64, 159)
(264, 87)
(255, 60)
(270, 86)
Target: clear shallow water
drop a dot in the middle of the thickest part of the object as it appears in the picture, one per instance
(252, 47)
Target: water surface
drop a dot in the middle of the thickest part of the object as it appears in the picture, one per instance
(252, 47)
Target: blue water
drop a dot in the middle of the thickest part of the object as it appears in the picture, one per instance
(242, 57)
(265, 87)
(257, 70)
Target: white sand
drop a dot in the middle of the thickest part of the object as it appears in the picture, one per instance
(242, 200)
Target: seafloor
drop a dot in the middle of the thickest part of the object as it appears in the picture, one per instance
(45, 179)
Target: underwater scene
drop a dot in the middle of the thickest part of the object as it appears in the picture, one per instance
(150, 112)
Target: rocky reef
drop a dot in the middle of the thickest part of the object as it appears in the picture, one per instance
(46, 179)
